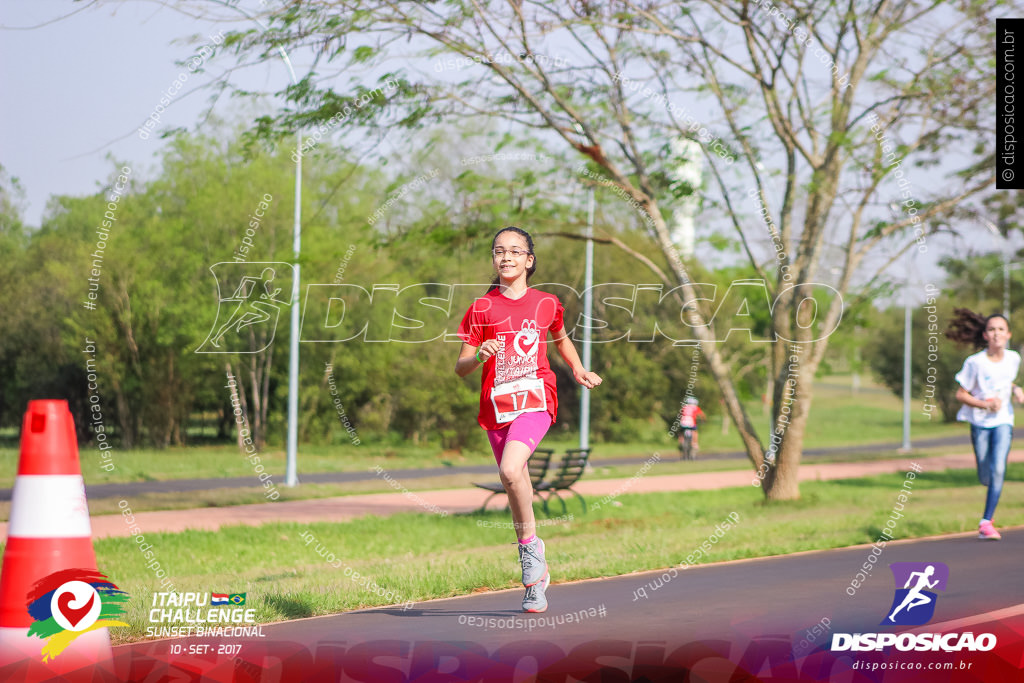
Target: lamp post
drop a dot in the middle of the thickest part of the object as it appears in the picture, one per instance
(588, 305)
(907, 350)
(291, 467)
(906, 362)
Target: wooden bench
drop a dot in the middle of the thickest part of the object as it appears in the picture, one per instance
(569, 471)
(538, 468)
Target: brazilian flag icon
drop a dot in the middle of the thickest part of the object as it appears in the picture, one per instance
(237, 598)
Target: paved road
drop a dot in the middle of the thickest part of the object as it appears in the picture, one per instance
(717, 621)
(129, 489)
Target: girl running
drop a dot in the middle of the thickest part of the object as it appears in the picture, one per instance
(505, 331)
(986, 384)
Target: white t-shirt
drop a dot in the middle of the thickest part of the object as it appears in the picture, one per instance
(985, 379)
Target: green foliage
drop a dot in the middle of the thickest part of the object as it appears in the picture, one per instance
(934, 359)
(422, 222)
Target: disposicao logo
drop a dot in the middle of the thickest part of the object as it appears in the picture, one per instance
(71, 602)
(913, 604)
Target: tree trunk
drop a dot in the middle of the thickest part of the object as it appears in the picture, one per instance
(238, 396)
(312, 405)
(256, 414)
(124, 418)
(704, 329)
(782, 482)
(267, 358)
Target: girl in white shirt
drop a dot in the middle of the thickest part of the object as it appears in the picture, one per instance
(986, 385)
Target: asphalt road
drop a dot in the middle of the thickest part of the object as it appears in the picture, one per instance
(758, 620)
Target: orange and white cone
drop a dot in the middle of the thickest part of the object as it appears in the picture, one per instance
(49, 531)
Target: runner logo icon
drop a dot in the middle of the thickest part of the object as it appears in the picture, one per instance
(914, 600)
(247, 318)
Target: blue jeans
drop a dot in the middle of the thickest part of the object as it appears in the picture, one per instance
(991, 448)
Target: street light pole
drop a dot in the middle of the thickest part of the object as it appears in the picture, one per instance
(907, 350)
(588, 304)
(906, 363)
(291, 477)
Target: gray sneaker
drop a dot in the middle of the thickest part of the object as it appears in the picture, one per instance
(534, 600)
(531, 557)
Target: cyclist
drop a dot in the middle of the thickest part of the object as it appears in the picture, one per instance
(688, 417)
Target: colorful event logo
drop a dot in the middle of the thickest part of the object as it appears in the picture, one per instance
(914, 601)
(71, 602)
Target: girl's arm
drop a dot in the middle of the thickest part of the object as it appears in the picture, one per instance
(991, 404)
(568, 352)
(467, 361)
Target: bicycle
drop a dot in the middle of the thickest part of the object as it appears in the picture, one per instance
(687, 451)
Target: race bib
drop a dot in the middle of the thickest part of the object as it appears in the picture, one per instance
(512, 399)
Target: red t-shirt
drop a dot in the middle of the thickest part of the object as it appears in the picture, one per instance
(688, 416)
(522, 326)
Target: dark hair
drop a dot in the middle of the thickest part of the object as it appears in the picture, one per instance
(529, 249)
(968, 327)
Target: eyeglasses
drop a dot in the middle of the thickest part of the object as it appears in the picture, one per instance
(516, 253)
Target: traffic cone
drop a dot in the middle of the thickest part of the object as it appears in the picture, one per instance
(48, 531)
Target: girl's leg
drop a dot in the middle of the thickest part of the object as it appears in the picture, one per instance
(512, 447)
(998, 453)
(523, 437)
(498, 439)
(516, 479)
(980, 439)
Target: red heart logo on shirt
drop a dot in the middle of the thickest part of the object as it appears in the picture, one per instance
(527, 334)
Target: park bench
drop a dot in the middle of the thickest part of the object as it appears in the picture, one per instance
(569, 471)
(537, 466)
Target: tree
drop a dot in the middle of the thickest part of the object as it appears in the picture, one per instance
(13, 242)
(977, 282)
(934, 360)
(811, 118)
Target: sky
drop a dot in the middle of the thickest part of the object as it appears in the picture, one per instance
(81, 78)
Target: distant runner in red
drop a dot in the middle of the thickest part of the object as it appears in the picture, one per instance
(688, 417)
(506, 332)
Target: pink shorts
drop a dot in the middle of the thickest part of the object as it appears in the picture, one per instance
(528, 428)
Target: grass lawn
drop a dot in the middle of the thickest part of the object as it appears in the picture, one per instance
(377, 561)
(223, 497)
(838, 418)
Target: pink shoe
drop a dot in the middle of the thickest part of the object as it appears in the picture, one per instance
(988, 532)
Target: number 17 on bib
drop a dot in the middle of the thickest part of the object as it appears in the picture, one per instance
(512, 399)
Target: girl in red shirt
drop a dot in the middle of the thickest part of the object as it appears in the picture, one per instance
(505, 331)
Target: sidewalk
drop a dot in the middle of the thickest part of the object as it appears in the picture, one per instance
(469, 499)
(128, 489)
